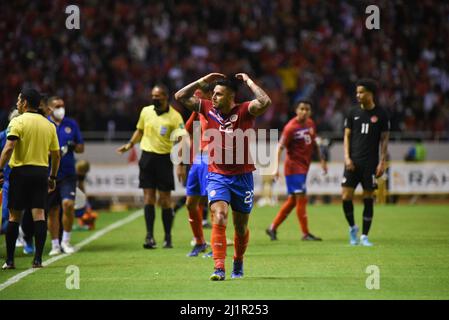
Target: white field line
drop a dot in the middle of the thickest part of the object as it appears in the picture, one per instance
(77, 247)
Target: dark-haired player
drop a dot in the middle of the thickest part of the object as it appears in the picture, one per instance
(230, 183)
(298, 137)
(366, 126)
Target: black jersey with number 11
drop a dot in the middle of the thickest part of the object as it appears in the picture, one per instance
(366, 127)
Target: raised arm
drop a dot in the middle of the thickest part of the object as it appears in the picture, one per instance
(185, 95)
(259, 105)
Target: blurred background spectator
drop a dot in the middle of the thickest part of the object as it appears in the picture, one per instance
(295, 49)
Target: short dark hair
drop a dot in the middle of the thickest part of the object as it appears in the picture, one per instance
(306, 101)
(32, 96)
(163, 87)
(229, 83)
(368, 84)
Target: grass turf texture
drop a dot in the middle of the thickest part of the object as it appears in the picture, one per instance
(410, 248)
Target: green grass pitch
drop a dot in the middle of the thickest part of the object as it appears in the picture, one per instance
(411, 250)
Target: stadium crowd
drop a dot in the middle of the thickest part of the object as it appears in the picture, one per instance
(296, 49)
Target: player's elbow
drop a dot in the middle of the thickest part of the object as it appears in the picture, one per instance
(179, 96)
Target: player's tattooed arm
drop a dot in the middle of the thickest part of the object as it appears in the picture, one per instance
(185, 96)
(259, 105)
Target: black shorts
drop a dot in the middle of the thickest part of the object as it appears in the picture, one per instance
(28, 188)
(156, 172)
(366, 175)
(65, 189)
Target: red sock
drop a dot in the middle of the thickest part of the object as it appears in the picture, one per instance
(240, 244)
(218, 243)
(196, 223)
(302, 214)
(286, 208)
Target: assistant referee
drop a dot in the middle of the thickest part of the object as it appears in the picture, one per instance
(158, 127)
(30, 137)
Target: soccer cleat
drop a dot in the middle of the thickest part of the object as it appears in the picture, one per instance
(28, 249)
(218, 275)
(206, 224)
(237, 271)
(167, 244)
(208, 255)
(353, 235)
(67, 247)
(364, 241)
(37, 263)
(311, 237)
(149, 243)
(8, 265)
(197, 249)
(55, 251)
(271, 234)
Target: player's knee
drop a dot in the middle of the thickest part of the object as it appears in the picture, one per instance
(220, 217)
(68, 205)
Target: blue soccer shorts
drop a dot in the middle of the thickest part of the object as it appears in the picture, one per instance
(197, 177)
(296, 183)
(236, 190)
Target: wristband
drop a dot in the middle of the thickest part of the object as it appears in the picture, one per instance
(249, 82)
(53, 177)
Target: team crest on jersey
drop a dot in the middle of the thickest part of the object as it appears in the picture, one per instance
(68, 130)
(163, 131)
(233, 118)
(213, 193)
(374, 119)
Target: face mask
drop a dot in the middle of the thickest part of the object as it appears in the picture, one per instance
(59, 113)
(157, 104)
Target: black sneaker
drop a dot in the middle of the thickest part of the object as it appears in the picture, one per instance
(149, 243)
(37, 263)
(311, 237)
(8, 265)
(168, 245)
(271, 233)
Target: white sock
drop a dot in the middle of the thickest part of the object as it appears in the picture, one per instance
(66, 236)
(55, 243)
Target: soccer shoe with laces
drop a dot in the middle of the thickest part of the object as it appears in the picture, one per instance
(271, 234)
(8, 265)
(37, 263)
(55, 251)
(149, 243)
(353, 235)
(67, 247)
(237, 270)
(28, 249)
(167, 245)
(208, 255)
(218, 275)
(197, 249)
(364, 241)
(311, 237)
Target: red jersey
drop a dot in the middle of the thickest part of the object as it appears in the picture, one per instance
(195, 116)
(299, 140)
(226, 124)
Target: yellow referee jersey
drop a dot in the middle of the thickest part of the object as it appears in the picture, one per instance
(160, 131)
(36, 137)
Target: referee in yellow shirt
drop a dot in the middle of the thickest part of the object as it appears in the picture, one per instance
(30, 137)
(157, 123)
